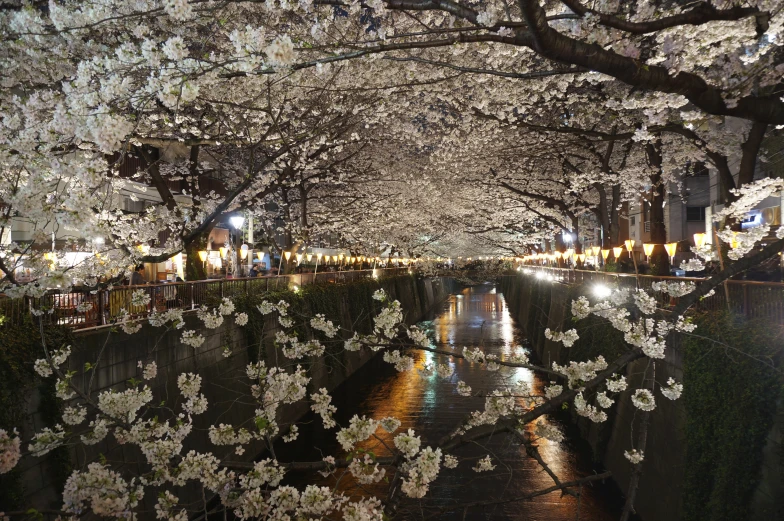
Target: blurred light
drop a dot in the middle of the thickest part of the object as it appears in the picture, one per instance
(237, 221)
(244, 251)
(203, 256)
(629, 244)
(699, 239)
(601, 291)
(617, 252)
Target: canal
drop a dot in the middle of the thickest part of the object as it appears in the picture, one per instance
(477, 316)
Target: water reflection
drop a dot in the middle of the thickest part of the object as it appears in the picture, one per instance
(476, 317)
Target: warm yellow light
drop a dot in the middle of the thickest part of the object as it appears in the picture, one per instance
(299, 258)
(287, 254)
(334, 258)
(340, 256)
(351, 260)
(558, 254)
(671, 248)
(319, 255)
(581, 257)
(605, 254)
(595, 251)
(629, 244)
(699, 239)
(203, 256)
(244, 251)
(309, 257)
(617, 252)
(260, 255)
(568, 253)
(648, 248)
(223, 252)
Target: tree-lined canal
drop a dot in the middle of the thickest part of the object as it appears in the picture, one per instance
(477, 316)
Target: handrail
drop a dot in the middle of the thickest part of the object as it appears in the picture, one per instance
(86, 309)
(754, 299)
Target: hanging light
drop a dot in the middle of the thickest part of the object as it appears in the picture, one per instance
(319, 255)
(223, 252)
(699, 239)
(629, 244)
(581, 257)
(671, 248)
(203, 256)
(244, 251)
(334, 258)
(558, 254)
(605, 254)
(648, 249)
(595, 250)
(287, 254)
(299, 258)
(309, 257)
(617, 252)
(260, 255)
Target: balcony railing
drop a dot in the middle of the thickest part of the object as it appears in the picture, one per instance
(82, 309)
(749, 298)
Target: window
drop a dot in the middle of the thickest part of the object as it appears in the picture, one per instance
(695, 213)
(633, 220)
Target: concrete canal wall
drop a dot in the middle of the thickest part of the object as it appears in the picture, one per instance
(664, 486)
(224, 380)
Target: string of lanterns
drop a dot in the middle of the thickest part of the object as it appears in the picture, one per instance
(570, 254)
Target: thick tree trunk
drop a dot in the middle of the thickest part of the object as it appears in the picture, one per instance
(615, 219)
(659, 260)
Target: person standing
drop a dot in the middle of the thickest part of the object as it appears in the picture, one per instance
(137, 277)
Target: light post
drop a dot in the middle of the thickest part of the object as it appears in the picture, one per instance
(318, 258)
(630, 248)
(203, 257)
(237, 221)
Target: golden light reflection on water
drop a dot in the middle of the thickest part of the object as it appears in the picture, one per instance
(431, 406)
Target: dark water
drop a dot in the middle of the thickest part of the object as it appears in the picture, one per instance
(430, 405)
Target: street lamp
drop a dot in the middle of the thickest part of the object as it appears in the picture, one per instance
(237, 221)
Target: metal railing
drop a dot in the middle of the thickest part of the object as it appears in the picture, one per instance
(750, 298)
(85, 309)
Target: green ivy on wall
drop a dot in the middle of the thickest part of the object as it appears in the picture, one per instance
(21, 347)
(730, 398)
